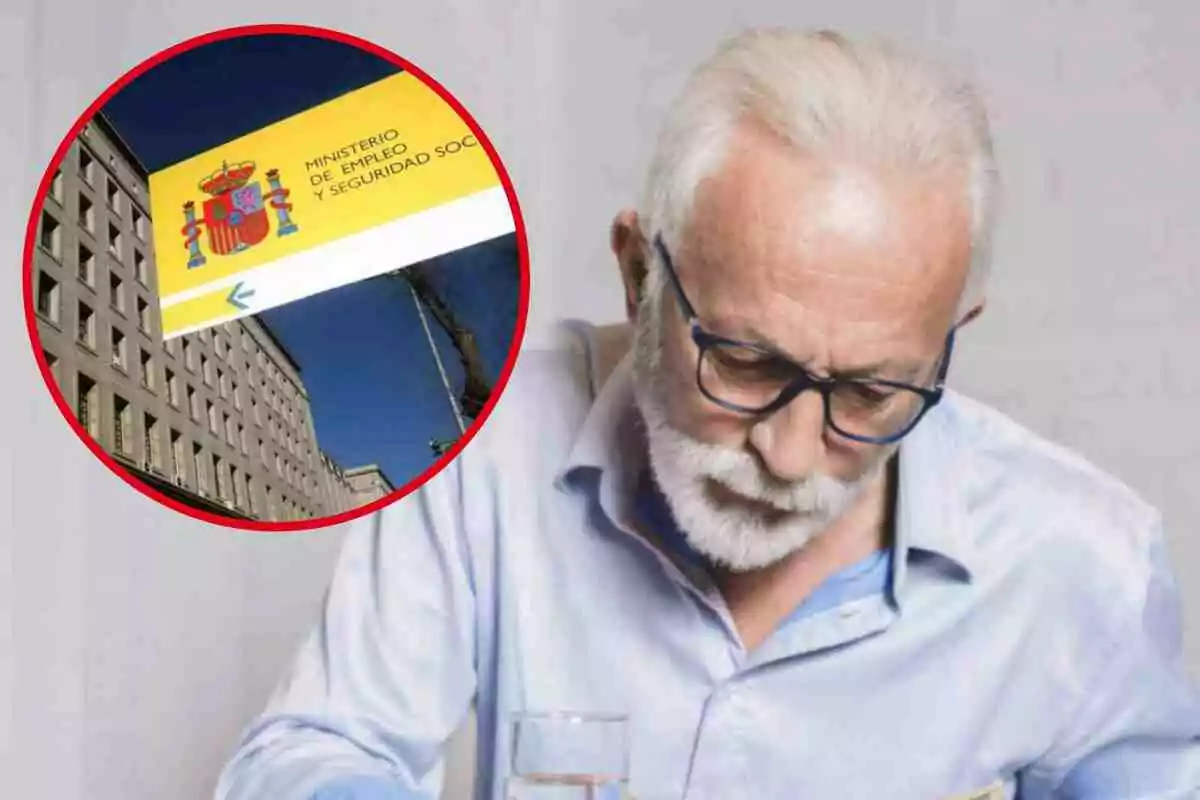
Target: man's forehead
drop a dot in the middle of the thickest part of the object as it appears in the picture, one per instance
(766, 200)
(825, 260)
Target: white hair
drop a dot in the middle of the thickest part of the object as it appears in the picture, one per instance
(824, 94)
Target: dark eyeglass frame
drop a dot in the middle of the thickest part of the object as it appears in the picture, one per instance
(804, 380)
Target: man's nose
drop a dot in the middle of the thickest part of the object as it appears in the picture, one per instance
(791, 441)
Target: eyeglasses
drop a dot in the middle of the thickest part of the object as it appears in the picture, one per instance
(751, 379)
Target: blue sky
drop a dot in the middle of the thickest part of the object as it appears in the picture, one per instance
(376, 393)
(226, 89)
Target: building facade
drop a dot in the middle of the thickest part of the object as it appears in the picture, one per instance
(218, 419)
(367, 484)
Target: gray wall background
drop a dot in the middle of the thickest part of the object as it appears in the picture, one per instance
(141, 642)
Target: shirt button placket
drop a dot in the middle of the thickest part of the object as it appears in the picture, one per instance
(719, 768)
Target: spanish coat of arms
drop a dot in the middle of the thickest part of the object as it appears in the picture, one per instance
(235, 214)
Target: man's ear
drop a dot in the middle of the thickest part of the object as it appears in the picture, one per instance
(628, 244)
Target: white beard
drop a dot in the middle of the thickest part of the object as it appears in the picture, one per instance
(734, 537)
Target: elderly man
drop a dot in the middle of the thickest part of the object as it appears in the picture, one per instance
(762, 527)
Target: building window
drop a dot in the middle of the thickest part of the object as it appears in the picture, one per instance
(222, 480)
(87, 265)
(151, 450)
(51, 364)
(139, 222)
(230, 433)
(253, 491)
(172, 381)
(116, 292)
(139, 267)
(239, 489)
(118, 349)
(87, 165)
(278, 465)
(237, 397)
(206, 370)
(56, 187)
(221, 387)
(203, 335)
(172, 346)
(122, 425)
(51, 238)
(262, 452)
(257, 412)
(177, 457)
(241, 431)
(189, 354)
(212, 416)
(193, 404)
(86, 332)
(113, 195)
(217, 347)
(143, 311)
(86, 409)
(87, 214)
(48, 297)
(198, 459)
(147, 370)
(114, 242)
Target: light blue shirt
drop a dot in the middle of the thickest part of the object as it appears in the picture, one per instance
(1028, 636)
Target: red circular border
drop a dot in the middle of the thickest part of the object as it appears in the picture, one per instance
(257, 30)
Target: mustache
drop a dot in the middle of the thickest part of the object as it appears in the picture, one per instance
(741, 473)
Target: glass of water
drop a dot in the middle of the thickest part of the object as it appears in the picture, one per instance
(567, 755)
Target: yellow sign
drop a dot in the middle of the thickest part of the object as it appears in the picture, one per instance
(339, 172)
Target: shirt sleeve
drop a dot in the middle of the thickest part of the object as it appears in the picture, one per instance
(387, 675)
(1136, 734)
(362, 788)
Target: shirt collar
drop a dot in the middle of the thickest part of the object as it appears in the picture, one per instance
(931, 513)
(612, 416)
(610, 441)
(931, 516)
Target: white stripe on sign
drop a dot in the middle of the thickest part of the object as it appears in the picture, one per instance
(407, 240)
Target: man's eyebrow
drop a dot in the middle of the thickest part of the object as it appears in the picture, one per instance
(759, 339)
(897, 371)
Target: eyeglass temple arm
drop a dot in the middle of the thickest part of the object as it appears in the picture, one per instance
(688, 311)
(945, 367)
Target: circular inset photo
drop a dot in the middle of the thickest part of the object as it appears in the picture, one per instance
(275, 277)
